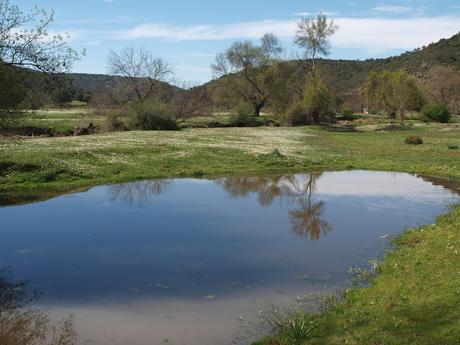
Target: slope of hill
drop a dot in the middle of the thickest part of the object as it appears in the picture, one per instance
(347, 75)
(344, 75)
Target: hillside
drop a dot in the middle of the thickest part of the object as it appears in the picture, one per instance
(347, 75)
(344, 75)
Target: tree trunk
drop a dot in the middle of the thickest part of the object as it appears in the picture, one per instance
(258, 108)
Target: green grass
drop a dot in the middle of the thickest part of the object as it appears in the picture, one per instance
(416, 297)
(67, 163)
(60, 121)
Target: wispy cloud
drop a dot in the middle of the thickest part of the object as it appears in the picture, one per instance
(374, 35)
(378, 35)
(393, 9)
(307, 14)
(248, 30)
(369, 35)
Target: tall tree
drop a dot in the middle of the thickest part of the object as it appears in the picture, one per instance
(25, 40)
(395, 93)
(312, 36)
(143, 70)
(247, 69)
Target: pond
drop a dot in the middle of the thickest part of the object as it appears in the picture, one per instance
(191, 261)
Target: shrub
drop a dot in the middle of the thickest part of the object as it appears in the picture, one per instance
(347, 113)
(297, 115)
(153, 116)
(452, 146)
(436, 112)
(115, 122)
(317, 101)
(243, 116)
(414, 140)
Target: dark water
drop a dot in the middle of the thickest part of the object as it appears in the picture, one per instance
(187, 260)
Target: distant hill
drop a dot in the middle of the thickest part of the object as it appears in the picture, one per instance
(348, 75)
(345, 75)
(102, 83)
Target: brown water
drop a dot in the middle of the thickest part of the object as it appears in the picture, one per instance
(192, 261)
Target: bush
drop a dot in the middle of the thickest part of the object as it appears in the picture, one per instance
(317, 101)
(153, 116)
(452, 146)
(347, 113)
(243, 116)
(414, 140)
(297, 115)
(436, 112)
(115, 122)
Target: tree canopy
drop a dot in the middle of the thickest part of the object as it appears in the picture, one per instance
(395, 93)
(25, 40)
(247, 69)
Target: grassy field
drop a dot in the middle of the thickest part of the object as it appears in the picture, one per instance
(66, 163)
(416, 297)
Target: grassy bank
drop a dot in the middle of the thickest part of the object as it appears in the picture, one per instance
(58, 164)
(415, 298)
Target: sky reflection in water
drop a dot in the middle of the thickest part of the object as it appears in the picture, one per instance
(155, 245)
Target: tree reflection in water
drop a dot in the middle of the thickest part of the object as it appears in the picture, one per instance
(138, 192)
(21, 324)
(306, 215)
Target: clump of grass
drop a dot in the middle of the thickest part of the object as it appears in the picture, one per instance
(414, 140)
(277, 153)
(296, 326)
(452, 146)
(299, 323)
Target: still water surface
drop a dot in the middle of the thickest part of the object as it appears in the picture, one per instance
(192, 261)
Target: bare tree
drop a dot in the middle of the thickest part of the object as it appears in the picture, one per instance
(312, 36)
(442, 84)
(142, 68)
(25, 41)
(247, 69)
(188, 99)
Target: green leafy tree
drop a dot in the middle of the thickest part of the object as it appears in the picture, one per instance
(317, 101)
(25, 42)
(247, 70)
(312, 36)
(394, 93)
(12, 92)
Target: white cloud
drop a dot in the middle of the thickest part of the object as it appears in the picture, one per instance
(307, 14)
(248, 30)
(393, 9)
(376, 35)
(373, 35)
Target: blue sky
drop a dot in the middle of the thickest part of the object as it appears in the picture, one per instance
(189, 33)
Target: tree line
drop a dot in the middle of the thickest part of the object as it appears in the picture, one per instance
(250, 78)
